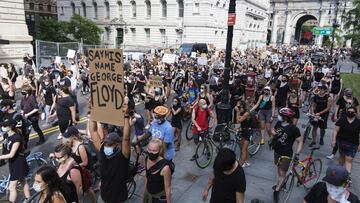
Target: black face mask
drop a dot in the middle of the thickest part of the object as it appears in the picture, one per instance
(350, 114)
(23, 93)
(153, 156)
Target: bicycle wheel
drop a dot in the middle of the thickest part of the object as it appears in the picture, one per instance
(286, 189)
(131, 187)
(254, 144)
(312, 174)
(204, 154)
(188, 132)
(307, 133)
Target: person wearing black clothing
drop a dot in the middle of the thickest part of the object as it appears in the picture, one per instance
(176, 112)
(320, 107)
(345, 101)
(228, 181)
(48, 96)
(64, 81)
(285, 133)
(346, 136)
(333, 189)
(282, 90)
(114, 156)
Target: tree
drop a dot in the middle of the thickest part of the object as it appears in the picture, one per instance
(85, 29)
(51, 30)
(352, 24)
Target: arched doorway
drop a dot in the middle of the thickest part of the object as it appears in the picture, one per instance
(303, 30)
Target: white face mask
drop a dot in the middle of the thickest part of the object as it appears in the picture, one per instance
(337, 193)
(65, 140)
(280, 118)
(4, 129)
(37, 187)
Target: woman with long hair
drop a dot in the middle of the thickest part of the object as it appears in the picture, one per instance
(50, 186)
(18, 166)
(176, 110)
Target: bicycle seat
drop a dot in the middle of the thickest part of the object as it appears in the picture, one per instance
(314, 148)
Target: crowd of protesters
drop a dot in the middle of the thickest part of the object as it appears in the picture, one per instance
(272, 86)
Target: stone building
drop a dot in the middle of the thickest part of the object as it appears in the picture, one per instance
(15, 40)
(169, 23)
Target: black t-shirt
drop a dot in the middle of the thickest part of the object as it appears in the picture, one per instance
(285, 138)
(282, 92)
(318, 76)
(225, 186)
(63, 105)
(140, 85)
(319, 194)
(348, 131)
(113, 173)
(48, 93)
(343, 104)
(321, 103)
(65, 82)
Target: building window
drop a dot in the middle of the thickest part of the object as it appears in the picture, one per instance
(72, 8)
(31, 6)
(147, 33)
(148, 8)
(133, 33)
(196, 8)
(258, 26)
(120, 9)
(163, 36)
(250, 25)
(133, 9)
(211, 9)
(95, 10)
(27, 17)
(216, 32)
(83, 6)
(163, 8)
(62, 10)
(107, 32)
(107, 10)
(180, 8)
(49, 8)
(179, 37)
(41, 7)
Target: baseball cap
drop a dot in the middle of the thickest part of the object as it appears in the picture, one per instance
(336, 175)
(72, 130)
(348, 92)
(8, 122)
(6, 102)
(112, 138)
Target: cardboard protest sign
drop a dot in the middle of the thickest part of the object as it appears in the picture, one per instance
(202, 61)
(193, 55)
(263, 55)
(70, 54)
(57, 59)
(253, 61)
(155, 81)
(169, 58)
(107, 85)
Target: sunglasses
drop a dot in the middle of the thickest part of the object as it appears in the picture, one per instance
(202, 88)
(58, 157)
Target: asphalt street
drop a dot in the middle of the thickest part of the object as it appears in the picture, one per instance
(188, 180)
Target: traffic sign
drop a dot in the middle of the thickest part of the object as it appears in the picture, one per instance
(322, 30)
(231, 19)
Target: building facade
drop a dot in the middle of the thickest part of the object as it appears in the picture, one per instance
(13, 29)
(288, 17)
(169, 23)
(37, 10)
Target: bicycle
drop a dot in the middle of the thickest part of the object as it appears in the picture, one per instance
(307, 172)
(188, 132)
(308, 126)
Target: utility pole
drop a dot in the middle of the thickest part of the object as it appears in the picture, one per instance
(334, 26)
(231, 23)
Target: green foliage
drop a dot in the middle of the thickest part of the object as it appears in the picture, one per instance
(352, 24)
(78, 28)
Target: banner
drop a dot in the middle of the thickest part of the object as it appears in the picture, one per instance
(155, 81)
(169, 58)
(202, 61)
(107, 85)
(70, 54)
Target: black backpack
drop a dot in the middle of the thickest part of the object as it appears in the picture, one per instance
(91, 155)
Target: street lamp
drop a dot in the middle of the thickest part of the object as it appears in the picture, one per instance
(231, 23)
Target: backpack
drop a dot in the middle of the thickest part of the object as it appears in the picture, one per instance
(91, 155)
(86, 177)
(163, 163)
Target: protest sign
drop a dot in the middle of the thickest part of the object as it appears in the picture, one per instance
(193, 55)
(107, 85)
(202, 61)
(167, 51)
(253, 61)
(169, 58)
(274, 58)
(57, 59)
(3, 72)
(155, 81)
(70, 54)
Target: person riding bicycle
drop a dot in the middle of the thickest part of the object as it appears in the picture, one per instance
(285, 133)
(201, 117)
(334, 188)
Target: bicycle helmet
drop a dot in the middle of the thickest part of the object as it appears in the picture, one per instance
(161, 111)
(286, 112)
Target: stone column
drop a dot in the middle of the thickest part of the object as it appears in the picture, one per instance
(288, 28)
(274, 28)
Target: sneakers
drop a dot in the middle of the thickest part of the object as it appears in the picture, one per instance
(262, 141)
(59, 137)
(331, 156)
(321, 141)
(245, 164)
(312, 144)
(194, 157)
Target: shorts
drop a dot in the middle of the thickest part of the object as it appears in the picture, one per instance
(283, 164)
(265, 115)
(245, 133)
(63, 125)
(322, 124)
(347, 148)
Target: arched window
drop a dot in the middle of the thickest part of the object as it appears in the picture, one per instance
(148, 8)
(107, 10)
(83, 7)
(72, 8)
(120, 9)
(41, 7)
(133, 9)
(180, 8)
(95, 10)
(163, 8)
(31, 5)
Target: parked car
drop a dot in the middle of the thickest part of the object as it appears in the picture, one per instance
(187, 48)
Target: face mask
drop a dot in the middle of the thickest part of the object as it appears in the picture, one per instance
(336, 193)
(65, 140)
(4, 129)
(46, 83)
(108, 151)
(266, 93)
(3, 109)
(153, 156)
(61, 160)
(23, 93)
(37, 187)
(350, 114)
(204, 106)
(280, 118)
